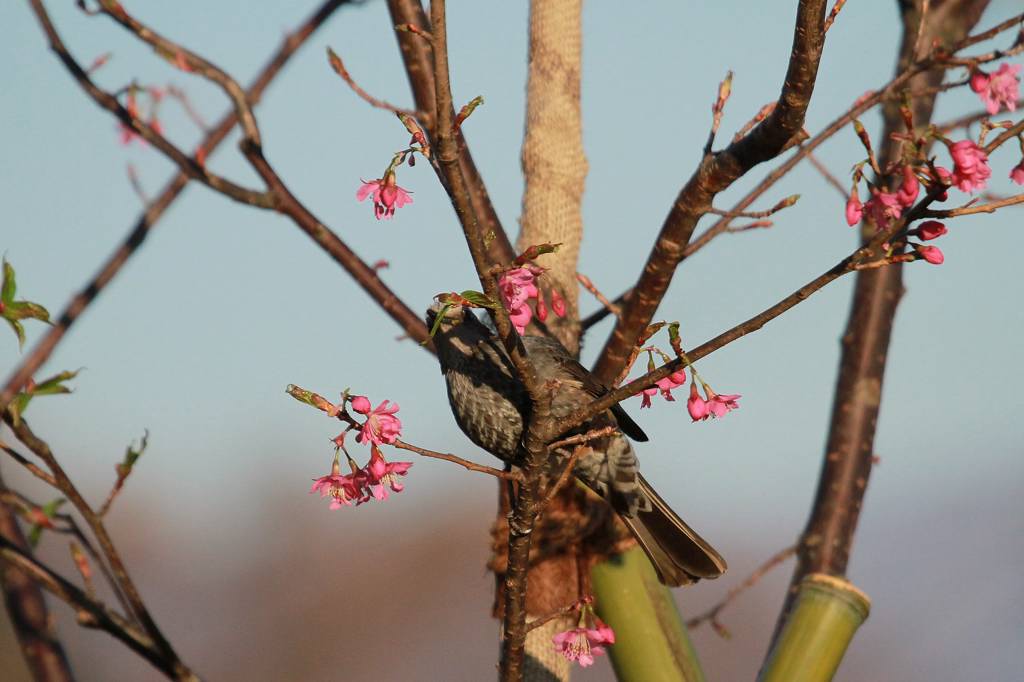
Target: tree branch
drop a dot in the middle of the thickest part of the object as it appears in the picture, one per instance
(155, 210)
(417, 55)
(104, 99)
(95, 523)
(715, 173)
(825, 544)
(27, 609)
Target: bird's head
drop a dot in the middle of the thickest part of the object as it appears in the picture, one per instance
(456, 329)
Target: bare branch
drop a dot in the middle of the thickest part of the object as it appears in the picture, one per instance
(716, 173)
(44, 348)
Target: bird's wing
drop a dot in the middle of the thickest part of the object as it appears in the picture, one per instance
(598, 390)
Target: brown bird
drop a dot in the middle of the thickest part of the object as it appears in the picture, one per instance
(490, 405)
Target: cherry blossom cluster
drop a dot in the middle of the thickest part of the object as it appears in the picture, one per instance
(380, 427)
(587, 639)
(517, 287)
(971, 171)
(999, 89)
(700, 407)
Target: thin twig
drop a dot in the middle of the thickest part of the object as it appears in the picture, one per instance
(827, 174)
(711, 615)
(609, 306)
(119, 570)
(190, 61)
(564, 611)
(455, 459)
(145, 223)
(339, 68)
(989, 207)
(190, 110)
(91, 613)
(28, 611)
(563, 477)
(110, 102)
(836, 8)
(33, 468)
(582, 438)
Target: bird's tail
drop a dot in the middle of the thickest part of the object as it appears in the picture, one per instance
(679, 555)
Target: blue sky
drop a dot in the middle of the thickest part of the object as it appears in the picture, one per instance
(226, 305)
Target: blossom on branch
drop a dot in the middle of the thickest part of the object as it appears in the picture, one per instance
(696, 405)
(342, 489)
(1017, 173)
(908, 191)
(386, 195)
(932, 254)
(517, 287)
(582, 644)
(714, 405)
(719, 405)
(970, 171)
(381, 425)
(379, 474)
(1001, 88)
(929, 229)
(665, 386)
(854, 209)
(882, 209)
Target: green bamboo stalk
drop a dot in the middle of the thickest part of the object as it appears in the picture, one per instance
(651, 642)
(827, 612)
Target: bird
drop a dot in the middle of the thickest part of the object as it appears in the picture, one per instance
(490, 404)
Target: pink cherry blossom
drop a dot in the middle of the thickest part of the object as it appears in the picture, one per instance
(854, 209)
(1017, 174)
(932, 254)
(720, 405)
(379, 474)
(342, 489)
(557, 303)
(882, 209)
(929, 229)
(517, 287)
(970, 170)
(386, 195)
(696, 405)
(582, 644)
(908, 191)
(998, 89)
(381, 425)
(665, 386)
(542, 309)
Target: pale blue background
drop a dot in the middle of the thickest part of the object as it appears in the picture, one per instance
(225, 305)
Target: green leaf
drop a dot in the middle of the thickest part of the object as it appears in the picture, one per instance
(55, 384)
(49, 510)
(17, 406)
(19, 331)
(51, 386)
(25, 310)
(51, 507)
(131, 455)
(9, 286)
(13, 311)
(478, 298)
(437, 320)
